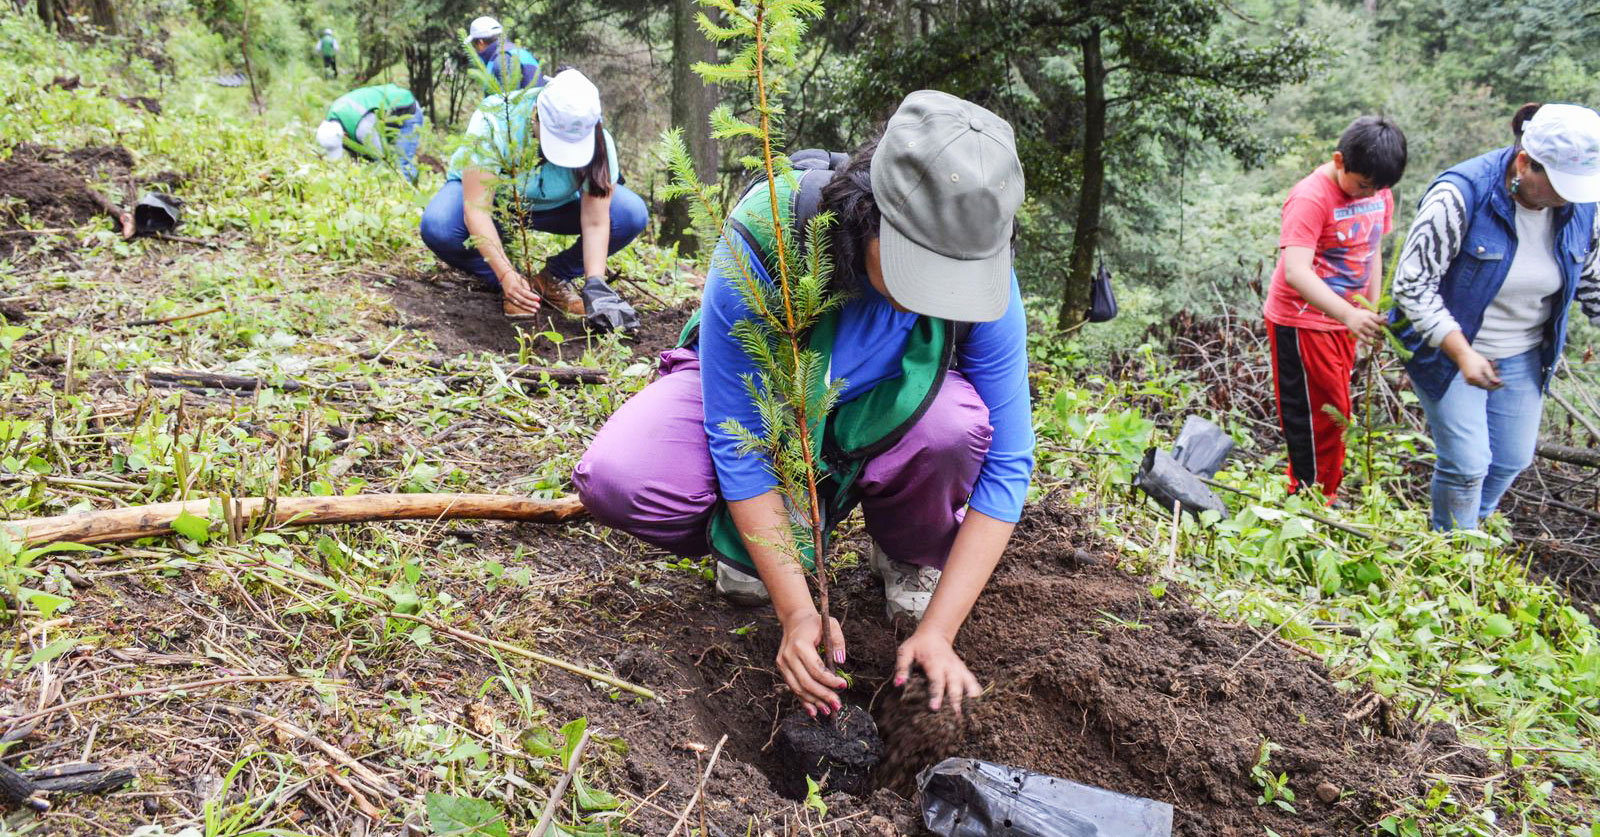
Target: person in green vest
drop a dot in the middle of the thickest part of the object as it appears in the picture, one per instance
(933, 432)
(354, 121)
(328, 48)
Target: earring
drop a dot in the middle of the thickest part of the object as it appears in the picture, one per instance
(1516, 183)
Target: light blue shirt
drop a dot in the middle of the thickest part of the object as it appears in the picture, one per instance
(499, 132)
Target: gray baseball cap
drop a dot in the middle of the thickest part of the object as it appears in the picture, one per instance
(948, 182)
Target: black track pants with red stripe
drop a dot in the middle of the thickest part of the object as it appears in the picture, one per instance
(1310, 370)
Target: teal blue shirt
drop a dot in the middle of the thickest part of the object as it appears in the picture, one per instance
(499, 132)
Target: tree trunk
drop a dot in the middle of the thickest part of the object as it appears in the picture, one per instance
(420, 70)
(244, 48)
(104, 16)
(1091, 193)
(692, 101)
(54, 15)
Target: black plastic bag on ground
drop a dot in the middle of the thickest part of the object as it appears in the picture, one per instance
(1202, 447)
(603, 310)
(1168, 482)
(971, 798)
(157, 213)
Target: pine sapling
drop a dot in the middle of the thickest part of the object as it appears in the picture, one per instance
(516, 156)
(790, 389)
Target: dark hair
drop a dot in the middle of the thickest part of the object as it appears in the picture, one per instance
(596, 176)
(1375, 147)
(1518, 121)
(855, 211)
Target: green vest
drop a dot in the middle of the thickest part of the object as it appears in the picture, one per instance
(327, 46)
(352, 107)
(862, 427)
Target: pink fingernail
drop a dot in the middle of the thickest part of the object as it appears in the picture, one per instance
(826, 711)
(812, 710)
(900, 680)
(838, 657)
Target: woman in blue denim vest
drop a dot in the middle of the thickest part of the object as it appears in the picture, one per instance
(1501, 247)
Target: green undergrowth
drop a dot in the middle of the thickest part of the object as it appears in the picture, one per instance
(1450, 627)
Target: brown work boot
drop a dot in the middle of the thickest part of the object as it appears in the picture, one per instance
(559, 295)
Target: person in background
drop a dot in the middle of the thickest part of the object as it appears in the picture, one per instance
(571, 187)
(353, 120)
(328, 48)
(512, 66)
(1501, 246)
(1329, 252)
(931, 345)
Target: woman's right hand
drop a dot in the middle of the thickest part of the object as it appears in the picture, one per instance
(813, 682)
(1478, 370)
(518, 292)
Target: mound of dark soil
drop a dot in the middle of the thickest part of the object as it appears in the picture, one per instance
(1090, 678)
(51, 186)
(463, 315)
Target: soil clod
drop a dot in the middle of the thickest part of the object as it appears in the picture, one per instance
(839, 752)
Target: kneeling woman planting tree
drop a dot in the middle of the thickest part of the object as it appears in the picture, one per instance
(861, 340)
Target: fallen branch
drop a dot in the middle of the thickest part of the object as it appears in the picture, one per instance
(190, 379)
(378, 783)
(561, 787)
(152, 690)
(134, 522)
(1588, 424)
(1343, 527)
(176, 318)
(699, 788)
(1587, 457)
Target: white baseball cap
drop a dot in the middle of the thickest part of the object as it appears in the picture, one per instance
(485, 27)
(1565, 139)
(330, 135)
(569, 108)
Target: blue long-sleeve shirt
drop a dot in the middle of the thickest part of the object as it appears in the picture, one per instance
(499, 59)
(867, 349)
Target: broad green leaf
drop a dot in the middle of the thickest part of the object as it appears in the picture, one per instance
(1497, 625)
(593, 799)
(196, 529)
(52, 651)
(463, 816)
(47, 603)
(570, 735)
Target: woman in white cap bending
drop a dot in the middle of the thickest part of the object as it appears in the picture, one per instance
(1501, 246)
(563, 164)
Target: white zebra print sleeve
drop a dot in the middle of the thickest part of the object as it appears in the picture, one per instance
(1589, 280)
(1430, 247)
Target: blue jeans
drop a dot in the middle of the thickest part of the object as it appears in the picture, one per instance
(406, 141)
(444, 230)
(1483, 439)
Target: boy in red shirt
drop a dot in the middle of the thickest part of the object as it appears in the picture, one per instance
(1333, 221)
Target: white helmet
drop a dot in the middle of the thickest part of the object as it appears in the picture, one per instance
(330, 135)
(485, 27)
(327, 31)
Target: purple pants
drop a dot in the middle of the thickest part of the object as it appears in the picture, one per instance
(649, 470)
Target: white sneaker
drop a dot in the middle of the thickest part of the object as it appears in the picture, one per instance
(907, 587)
(739, 587)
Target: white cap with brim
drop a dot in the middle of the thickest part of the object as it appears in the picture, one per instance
(569, 110)
(948, 183)
(484, 27)
(1565, 139)
(330, 135)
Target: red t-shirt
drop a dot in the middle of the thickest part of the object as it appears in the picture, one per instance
(1343, 233)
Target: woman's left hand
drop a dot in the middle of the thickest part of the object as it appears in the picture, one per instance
(948, 677)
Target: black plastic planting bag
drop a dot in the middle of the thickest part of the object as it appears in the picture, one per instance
(1168, 482)
(603, 310)
(971, 798)
(1201, 447)
(157, 213)
(1102, 297)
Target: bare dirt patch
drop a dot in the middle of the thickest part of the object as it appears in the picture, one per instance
(463, 315)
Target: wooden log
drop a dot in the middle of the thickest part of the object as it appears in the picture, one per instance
(1587, 457)
(190, 379)
(80, 777)
(134, 522)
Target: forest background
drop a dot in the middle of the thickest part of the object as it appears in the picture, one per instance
(1159, 137)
